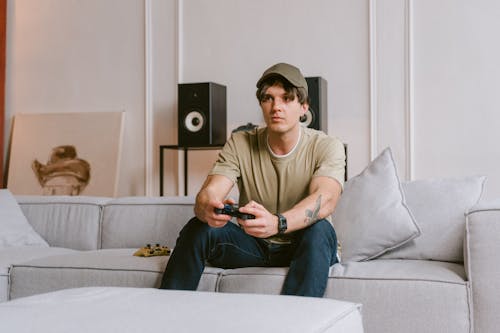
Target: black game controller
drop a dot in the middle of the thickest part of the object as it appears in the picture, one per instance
(233, 211)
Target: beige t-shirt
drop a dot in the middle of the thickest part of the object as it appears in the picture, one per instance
(279, 182)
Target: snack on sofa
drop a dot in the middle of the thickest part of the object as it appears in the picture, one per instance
(414, 254)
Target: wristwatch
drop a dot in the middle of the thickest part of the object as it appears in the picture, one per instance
(282, 225)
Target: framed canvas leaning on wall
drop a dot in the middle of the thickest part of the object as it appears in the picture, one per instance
(65, 153)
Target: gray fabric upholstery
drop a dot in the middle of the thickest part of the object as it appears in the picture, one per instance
(137, 221)
(109, 267)
(398, 293)
(10, 256)
(15, 230)
(408, 291)
(4, 287)
(372, 216)
(151, 310)
(410, 306)
(439, 207)
(71, 222)
(482, 265)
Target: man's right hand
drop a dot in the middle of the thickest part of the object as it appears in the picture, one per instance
(211, 196)
(206, 212)
(218, 220)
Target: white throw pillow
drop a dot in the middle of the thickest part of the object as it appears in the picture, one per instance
(371, 216)
(15, 230)
(439, 206)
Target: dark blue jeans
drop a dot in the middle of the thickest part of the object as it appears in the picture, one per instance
(312, 251)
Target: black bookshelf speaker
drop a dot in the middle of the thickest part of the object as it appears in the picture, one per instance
(316, 117)
(202, 114)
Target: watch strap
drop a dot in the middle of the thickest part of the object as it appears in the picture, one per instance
(282, 224)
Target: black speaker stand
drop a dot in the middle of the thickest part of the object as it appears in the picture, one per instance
(185, 151)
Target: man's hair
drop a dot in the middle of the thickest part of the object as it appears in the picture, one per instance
(290, 89)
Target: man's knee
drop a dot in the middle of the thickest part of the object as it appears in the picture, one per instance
(321, 227)
(320, 232)
(194, 230)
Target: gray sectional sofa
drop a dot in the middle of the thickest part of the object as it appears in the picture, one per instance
(92, 241)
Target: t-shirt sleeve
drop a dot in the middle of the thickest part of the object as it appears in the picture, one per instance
(227, 163)
(331, 160)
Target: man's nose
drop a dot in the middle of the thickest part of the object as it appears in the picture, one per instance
(277, 104)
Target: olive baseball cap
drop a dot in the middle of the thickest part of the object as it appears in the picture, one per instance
(291, 73)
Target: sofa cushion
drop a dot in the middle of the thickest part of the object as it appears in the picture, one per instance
(15, 229)
(19, 254)
(410, 296)
(65, 221)
(439, 206)
(109, 267)
(137, 221)
(396, 294)
(270, 280)
(372, 217)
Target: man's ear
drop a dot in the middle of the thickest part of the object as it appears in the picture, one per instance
(305, 108)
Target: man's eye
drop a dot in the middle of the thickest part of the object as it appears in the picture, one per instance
(266, 98)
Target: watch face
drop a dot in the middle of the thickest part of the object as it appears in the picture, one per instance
(282, 225)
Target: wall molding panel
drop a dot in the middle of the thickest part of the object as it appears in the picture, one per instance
(179, 70)
(391, 82)
(149, 147)
(373, 79)
(409, 92)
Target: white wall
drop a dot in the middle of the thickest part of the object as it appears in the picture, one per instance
(457, 83)
(233, 42)
(419, 76)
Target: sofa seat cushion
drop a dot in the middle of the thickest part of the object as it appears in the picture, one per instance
(396, 294)
(108, 267)
(407, 296)
(269, 280)
(20, 254)
(15, 255)
(425, 270)
(152, 310)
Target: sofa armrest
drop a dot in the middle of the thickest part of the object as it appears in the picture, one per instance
(482, 263)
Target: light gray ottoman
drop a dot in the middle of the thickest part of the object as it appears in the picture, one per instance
(117, 309)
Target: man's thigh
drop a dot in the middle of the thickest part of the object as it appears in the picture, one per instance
(231, 247)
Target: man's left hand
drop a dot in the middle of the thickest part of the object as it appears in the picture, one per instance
(264, 225)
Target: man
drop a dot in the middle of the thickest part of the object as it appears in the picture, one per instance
(289, 177)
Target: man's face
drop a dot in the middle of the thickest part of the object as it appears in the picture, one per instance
(281, 111)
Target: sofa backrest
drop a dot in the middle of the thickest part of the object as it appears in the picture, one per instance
(133, 222)
(65, 221)
(91, 223)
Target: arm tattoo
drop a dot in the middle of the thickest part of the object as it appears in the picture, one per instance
(313, 215)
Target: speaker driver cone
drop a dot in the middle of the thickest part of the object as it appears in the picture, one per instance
(307, 118)
(194, 121)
